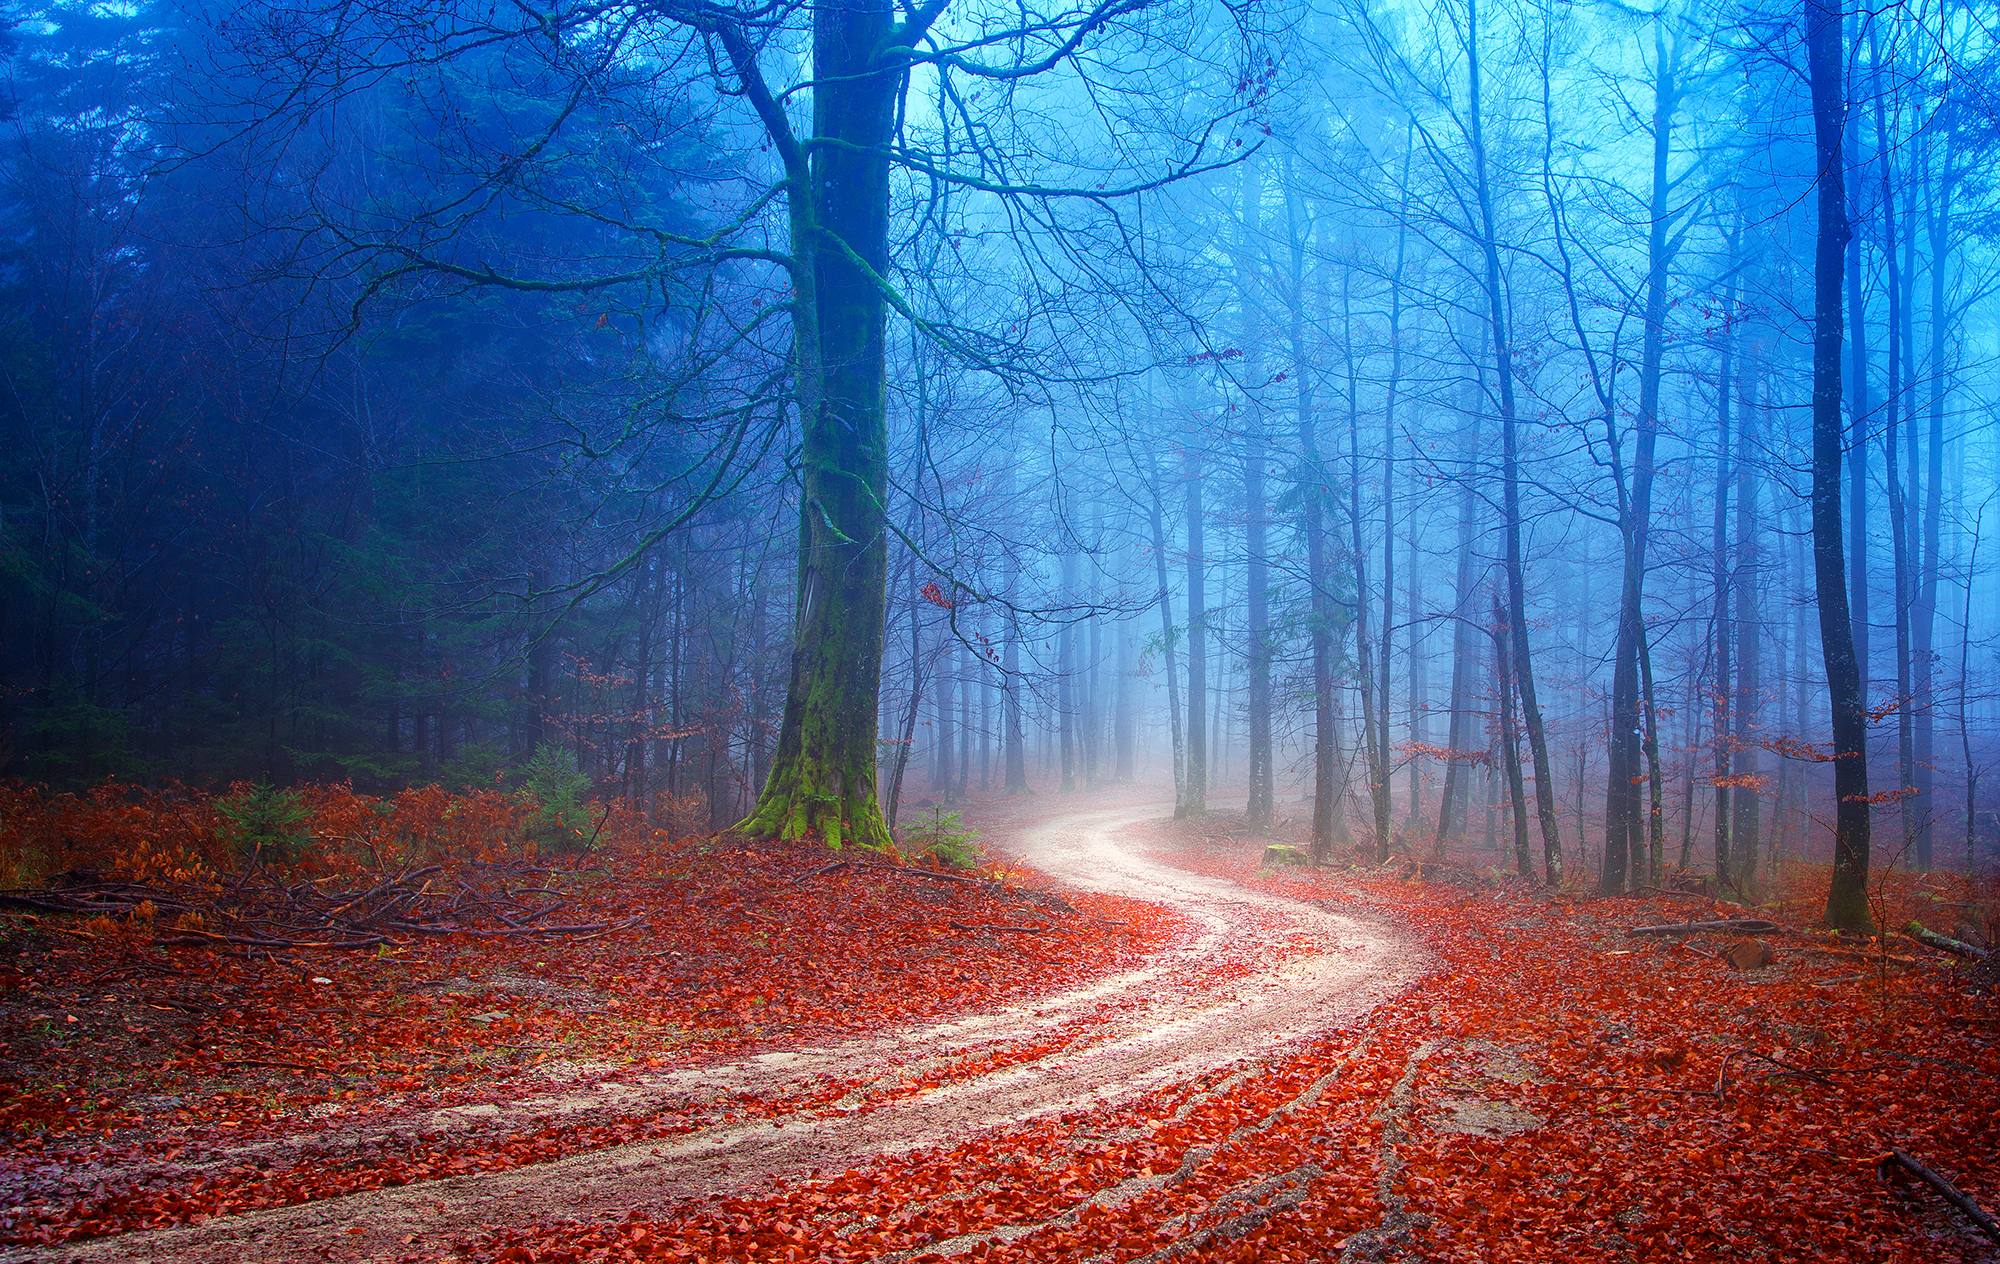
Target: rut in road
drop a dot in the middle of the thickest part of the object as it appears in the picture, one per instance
(1261, 974)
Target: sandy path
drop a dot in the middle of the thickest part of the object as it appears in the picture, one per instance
(1260, 973)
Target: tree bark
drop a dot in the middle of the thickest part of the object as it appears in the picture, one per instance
(1313, 494)
(1847, 895)
(1510, 742)
(1066, 681)
(1745, 798)
(1371, 731)
(1452, 805)
(1859, 420)
(1521, 664)
(1938, 191)
(1720, 647)
(823, 778)
(1156, 519)
(1195, 798)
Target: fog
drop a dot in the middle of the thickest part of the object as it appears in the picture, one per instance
(1396, 420)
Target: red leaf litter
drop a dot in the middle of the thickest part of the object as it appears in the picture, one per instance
(137, 1081)
(1551, 1088)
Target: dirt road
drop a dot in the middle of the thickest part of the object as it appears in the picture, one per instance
(1259, 974)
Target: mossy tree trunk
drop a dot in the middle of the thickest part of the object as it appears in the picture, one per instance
(822, 780)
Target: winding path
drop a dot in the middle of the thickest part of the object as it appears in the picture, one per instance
(1260, 973)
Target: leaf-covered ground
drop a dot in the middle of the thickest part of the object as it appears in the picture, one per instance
(140, 1083)
(1551, 1089)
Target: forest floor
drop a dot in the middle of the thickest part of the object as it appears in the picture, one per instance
(1128, 1040)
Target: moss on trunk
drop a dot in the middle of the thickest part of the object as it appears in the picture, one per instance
(822, 780)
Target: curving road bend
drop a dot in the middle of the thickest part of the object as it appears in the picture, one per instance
(1259, 973)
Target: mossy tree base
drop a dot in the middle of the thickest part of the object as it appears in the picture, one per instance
(805, 807)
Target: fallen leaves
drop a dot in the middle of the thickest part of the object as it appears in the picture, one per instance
(1545, 1092)
(1534, 1098)
(148, 1084)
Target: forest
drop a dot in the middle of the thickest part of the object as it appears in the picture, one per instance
(1415, 423)
(1530, 446)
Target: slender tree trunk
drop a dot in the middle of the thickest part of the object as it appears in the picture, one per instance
(985, 723)
(1124, 721)
(1857, 436)
(1156, 519)
(1964, 683)
(1719, 580)
(1899, 502)
(1847, 895)
(908, 738)
(1257, 642)
(1015, 752)
(1066, 681)
(1510, 743)
(1314, 492)
(1656, 785)
(1419, 728)
(1384, 749)
(1372, 732)
(1923, 638)
(1093, 710)
(1745, 798)
(944, 747)
(1196, 791)
(1452, 804)
(1622, 810)
(1521, 662)
(1221, 702)
(963, 787)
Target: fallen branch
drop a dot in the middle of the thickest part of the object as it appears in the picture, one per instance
(1867, 958)
(1795, 1070)
(1924, 1173)
(910, 871)
(1026, 930)
(1733, 925)
(1943, 943)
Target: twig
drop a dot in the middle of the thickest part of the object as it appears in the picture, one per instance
(1722, 1072)
(1924, 1173)
(912, 872)
(602, 818)
(1789, 1067)
(1026, 930)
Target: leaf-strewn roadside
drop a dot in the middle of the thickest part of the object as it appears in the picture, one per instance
(148, 1080)
(1554, 1090)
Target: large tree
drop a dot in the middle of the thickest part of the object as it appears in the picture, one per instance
(732, 168)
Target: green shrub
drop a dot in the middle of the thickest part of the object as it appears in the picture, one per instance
(562, 819)
(266, 825)
(942, 835)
